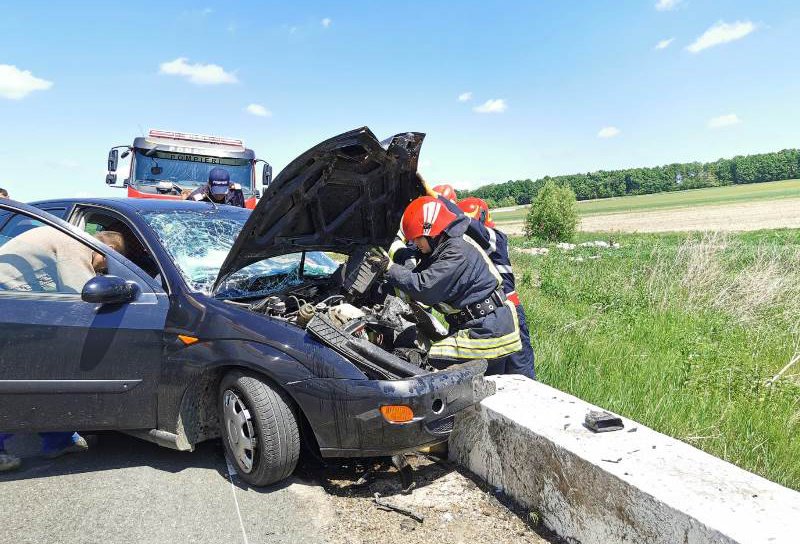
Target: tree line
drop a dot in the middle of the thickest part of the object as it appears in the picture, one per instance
(741, 169)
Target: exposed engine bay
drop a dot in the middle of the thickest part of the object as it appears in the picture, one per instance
(385, 336)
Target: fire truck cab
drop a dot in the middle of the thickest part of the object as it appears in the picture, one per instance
(169, 165)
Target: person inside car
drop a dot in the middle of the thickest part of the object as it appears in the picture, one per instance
(454, 275)
(43, 259)
(219, 189)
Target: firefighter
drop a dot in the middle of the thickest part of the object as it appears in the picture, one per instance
(495, 243)
(219, 189)
(454, 275)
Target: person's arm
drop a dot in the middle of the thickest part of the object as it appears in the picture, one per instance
(198, 194)
(433, 284)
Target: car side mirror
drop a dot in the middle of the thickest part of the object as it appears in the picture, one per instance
(111, 179)
(109, 290)
(113, 160)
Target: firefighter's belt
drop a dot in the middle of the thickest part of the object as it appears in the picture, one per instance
(478, 310)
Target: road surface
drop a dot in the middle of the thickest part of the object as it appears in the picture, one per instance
(127, 490)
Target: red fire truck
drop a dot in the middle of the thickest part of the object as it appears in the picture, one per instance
(166, 164)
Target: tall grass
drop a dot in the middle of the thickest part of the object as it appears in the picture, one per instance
(682, 333)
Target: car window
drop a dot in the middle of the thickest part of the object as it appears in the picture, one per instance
(199, 242)
(38, 258)
(18, 224)
(135, 250)
(59, 212)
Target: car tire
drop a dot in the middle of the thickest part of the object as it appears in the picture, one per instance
(259, 428)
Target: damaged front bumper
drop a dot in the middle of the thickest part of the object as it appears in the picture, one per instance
(346, 417)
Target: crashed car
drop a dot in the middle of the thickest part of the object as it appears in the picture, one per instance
(265, 328)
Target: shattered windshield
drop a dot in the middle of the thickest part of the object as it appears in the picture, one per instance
(187, 170)
(199, 241)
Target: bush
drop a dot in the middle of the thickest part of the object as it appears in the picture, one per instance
(553, 215)
(506, 201)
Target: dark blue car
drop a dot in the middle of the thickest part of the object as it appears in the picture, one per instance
(263, 328)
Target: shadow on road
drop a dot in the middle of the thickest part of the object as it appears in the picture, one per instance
(110, 451)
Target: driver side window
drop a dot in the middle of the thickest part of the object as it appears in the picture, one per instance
(96, 221)
(38, 258)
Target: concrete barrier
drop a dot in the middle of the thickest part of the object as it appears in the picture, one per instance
(632, 485)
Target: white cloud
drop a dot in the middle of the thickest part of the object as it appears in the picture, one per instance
(722, 32)
(326, 22)
(667, 5)
(663, 44)
(16, 84)
(724, 121)
(465, 97)
(608, 132)
(199, 74)
(258, 110)
(493, 105)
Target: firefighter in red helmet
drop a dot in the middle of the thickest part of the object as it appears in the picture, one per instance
(455, 276)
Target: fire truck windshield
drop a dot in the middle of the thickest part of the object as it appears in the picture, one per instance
(186, 170)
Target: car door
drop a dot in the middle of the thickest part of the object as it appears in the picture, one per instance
(66, 364)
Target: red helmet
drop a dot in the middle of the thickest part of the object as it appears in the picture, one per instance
(478, 209)
(425, 216)
(446, 191)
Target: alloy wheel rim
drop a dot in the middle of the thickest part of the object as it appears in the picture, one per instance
(240, 430)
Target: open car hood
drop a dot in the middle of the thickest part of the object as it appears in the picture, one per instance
(346, 192)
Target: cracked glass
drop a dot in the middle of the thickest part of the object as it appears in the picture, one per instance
(199, 241)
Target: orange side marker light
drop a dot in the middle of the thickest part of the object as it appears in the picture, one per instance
(397, 413)
(187, 340)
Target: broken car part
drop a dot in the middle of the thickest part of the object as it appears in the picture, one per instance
(601, 421)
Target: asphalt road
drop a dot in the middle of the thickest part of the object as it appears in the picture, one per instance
(126, 490)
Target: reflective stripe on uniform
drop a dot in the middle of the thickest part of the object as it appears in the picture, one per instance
(461, 346)
(445, 308)
(397, 245)
(492, 241)
(489, 263)
(504, 268)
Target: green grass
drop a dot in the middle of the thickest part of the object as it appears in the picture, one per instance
(679, 332)
(774, 190)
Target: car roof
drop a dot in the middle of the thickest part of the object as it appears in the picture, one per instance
(137, 204)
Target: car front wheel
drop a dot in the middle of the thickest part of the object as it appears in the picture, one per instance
(259, 428)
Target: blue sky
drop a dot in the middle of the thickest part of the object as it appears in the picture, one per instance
(545, 87)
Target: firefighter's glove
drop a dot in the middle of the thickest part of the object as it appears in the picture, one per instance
(379, 260)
